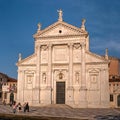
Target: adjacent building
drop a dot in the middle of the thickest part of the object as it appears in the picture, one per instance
(114, 81)
(8, 89)
(62, 70)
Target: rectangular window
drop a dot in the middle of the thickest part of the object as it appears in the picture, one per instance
(111, 97)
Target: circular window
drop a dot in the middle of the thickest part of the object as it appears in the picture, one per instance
(60, 31)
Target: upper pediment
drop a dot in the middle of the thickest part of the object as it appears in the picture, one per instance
(60, 28)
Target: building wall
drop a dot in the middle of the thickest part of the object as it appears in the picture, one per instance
(114, 66)
(114, 82)
(63, 57)
(7, 85)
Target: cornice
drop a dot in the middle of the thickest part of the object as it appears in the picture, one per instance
(61, 36)
(94, 63)
(26, 64)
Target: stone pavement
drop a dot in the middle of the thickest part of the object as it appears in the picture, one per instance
(68, 112)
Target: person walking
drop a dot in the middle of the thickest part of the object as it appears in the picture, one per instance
(19, 107)
(26, 107)
(14, 107)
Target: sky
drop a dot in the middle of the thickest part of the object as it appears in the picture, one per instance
(19, 19)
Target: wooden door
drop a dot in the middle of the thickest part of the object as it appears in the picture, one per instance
(60, 93)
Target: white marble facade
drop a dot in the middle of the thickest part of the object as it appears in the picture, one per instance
(62, 56)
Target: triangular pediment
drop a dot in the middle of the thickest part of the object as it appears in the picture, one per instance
(94, 58)
(60, 29)
(31, 60)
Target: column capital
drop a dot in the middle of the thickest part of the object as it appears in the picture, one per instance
(83, 45)
(77, 45)
(50, 45)
(70, 44)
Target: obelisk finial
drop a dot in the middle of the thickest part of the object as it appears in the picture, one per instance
(60, 13)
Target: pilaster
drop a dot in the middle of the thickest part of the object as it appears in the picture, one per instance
(49, 78)
(70, 90)
(71, 65)
(49, 65)
(104, 88)
(83, 89)
(36, 90)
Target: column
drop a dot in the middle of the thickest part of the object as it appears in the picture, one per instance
(49, 78)
(20, 86)
(71, 65)
(70, 90)
(104, 88)
(83, 75)
(49, 65)
(37, 83)
(36, 90)
(83, 90)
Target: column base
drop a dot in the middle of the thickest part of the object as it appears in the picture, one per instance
(83, 98)
(70, 99)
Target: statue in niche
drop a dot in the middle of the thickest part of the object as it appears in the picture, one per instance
(77, 77)
(29, 79)
(44, 77)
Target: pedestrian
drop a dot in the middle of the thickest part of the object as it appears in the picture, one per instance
(27, 107)
(14, 107)
(24, 107)
(19, 107)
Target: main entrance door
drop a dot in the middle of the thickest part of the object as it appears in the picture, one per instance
(60, 93)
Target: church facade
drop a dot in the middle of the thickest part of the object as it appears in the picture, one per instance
(62, 70)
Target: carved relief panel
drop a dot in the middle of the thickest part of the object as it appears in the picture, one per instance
(60, 75)
(94, 80)
(76, 52)
(60, 54)
(44, 54)
(29, 79)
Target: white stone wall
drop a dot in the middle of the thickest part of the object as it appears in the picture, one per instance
(63, 56)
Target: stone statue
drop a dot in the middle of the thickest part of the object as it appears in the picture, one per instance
(83, 24)
(77, 77)
(60, 13)
(83, 21)
(20, 57)
(39, 26)
(44, 77)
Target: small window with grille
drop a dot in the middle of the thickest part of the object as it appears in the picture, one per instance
(111, 97)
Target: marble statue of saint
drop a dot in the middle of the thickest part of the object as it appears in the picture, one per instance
(39, 26)
(60, 13)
